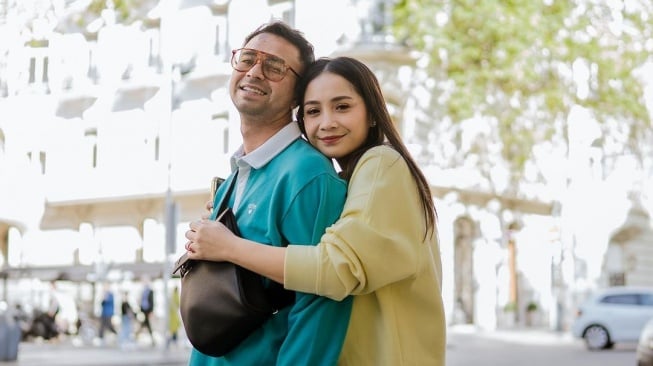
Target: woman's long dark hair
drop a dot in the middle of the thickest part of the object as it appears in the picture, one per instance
(383, 132)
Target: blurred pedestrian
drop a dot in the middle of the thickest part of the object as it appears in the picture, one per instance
(106, 314)
(22, 319)
(52, 330)
(125, 338)
(147, 306)
(174, 320)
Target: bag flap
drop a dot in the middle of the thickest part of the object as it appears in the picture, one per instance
(180, 263)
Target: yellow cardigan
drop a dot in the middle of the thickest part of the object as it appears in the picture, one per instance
(376, 251)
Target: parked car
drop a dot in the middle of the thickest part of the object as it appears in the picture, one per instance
(645, 345)
(613, 315)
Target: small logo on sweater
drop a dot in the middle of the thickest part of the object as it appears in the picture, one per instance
(250, 208)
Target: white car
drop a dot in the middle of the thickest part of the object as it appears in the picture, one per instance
(613, 315)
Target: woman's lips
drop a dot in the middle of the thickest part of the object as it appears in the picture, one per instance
(330, 139)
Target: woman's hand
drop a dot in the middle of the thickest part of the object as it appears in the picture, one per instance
(213, 241)
(209, 240)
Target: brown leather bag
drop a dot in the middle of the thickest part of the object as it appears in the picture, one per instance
(221, 303)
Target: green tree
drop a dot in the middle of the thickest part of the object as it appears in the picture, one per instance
(124, 12)
(517, 68)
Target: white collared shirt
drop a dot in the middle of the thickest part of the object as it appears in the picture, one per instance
(261, 156)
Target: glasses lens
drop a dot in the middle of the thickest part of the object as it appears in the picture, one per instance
(243, 60)
(274, 68)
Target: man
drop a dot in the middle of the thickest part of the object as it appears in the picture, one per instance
(106, 314)
(147, 306)
(286, 191)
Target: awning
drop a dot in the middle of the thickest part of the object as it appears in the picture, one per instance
(133, 97)
(85, 273)
(478, 198)
(199, 87)
(74, 107)
(121, 211)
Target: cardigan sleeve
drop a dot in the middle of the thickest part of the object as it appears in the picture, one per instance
(317, 325)
(375, 242)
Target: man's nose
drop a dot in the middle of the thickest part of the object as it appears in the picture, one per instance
(257, 69)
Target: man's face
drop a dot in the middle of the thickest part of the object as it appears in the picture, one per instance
(258, 98)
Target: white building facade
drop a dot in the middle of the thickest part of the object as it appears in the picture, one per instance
(101, 130)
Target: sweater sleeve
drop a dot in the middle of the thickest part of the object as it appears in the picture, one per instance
(317, 325)
(375, 242)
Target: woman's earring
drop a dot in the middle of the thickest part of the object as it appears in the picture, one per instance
(373, 124)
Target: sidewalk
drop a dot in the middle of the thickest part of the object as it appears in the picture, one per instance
(521, 335)
(67, 354)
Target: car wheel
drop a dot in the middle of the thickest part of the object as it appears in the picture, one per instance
(597, 337)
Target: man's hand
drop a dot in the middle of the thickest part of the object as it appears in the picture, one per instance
(209, 208)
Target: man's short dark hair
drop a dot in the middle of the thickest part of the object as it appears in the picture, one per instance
(294, 36)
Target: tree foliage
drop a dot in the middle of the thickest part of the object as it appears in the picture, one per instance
(124, 12)
(522, 65)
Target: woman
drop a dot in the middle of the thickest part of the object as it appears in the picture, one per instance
(384, 247)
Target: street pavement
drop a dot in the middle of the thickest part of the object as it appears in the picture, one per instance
(468, 345)
(69, 353)
(66, 353)
(518, 335)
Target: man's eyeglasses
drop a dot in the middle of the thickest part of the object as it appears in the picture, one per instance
(274, 68)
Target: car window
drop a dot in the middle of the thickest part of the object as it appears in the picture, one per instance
(622, 299)
(647, 299)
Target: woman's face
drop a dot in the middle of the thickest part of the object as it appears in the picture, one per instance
(335, 116)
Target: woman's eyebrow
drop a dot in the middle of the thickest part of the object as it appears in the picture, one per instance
(334, 99)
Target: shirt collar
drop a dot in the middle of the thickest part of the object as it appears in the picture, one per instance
(269, 149)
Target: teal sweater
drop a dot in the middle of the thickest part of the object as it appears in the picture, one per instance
(290, 197)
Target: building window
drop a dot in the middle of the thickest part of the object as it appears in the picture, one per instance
(284, 10)
(225, 140)
(38, 69)
(374, 19)
(91, 137)
(221, 121)
(617, 279)
(221, 47)
(157, 148)
(40, 162)
(2, 141)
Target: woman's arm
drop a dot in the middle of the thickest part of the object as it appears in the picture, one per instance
(211, 240)
(377, 241)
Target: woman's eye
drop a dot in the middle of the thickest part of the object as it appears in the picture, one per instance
(342, 107)
(311, 111)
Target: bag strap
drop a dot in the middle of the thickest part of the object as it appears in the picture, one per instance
(179, 265)
(278, 296)
(225, 198)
